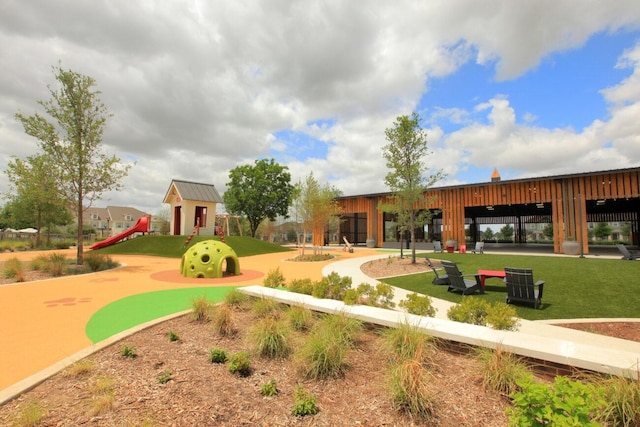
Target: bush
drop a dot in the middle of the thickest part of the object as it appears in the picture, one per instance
(240, 364)
(501, 370)
(502, 317)
(332, 286)
(409, 385)
(99, 262)
(221, 317)
(417, 304)
(304, 403)
(301, 286)
(479, 312)
(300, 318)
(563, 403)
(274, 279)
(379, 296)
(407, 341)
(128, 351)
(264, 307)
(14, 269)
(173, 336)
(56, 264)
(623, 401)
(201, 309)
(269, 388)
(217, 355)
(235, 298)
(270, 338)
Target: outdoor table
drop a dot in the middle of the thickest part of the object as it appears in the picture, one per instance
(486, 274)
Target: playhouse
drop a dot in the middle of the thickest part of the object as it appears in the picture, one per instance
(193, 205)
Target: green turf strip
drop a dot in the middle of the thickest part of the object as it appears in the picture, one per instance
(134, 310)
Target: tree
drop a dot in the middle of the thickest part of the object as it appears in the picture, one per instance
(507, 232)
(36, 200)
(84, 172)
(315, 205)
(487, 234)
(547, 231)
(602, 230)
(260, 191)
(406, 178)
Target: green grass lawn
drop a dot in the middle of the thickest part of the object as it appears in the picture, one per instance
(174, 246)
(574, 287)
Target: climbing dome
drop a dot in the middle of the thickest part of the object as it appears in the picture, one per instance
(206, 260)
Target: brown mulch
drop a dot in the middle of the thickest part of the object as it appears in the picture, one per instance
(205, 394)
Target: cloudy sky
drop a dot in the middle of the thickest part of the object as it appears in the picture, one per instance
(198, 87)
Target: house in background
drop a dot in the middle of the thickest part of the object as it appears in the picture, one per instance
(112, 220)
(192, 205)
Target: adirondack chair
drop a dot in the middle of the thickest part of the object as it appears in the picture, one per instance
(479, 249)
(626, 254)
(521, 287)
(457, 281)
(437, 246)
(440, 279)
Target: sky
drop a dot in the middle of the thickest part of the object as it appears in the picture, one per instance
(197, 88)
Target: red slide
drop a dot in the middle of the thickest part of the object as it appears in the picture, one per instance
(142, 226)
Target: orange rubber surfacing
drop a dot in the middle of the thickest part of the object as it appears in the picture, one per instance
(174, 276)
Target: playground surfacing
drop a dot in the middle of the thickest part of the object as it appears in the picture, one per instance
(47, 321)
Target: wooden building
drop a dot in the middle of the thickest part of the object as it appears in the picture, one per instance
(568, 202)
(193, 207)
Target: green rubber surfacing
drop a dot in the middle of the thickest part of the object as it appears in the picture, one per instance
(137, 309)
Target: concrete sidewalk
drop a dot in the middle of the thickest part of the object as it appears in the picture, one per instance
(537, 339)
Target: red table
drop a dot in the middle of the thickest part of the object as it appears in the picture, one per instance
(486, 274)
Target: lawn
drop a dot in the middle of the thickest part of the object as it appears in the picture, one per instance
(574, 287)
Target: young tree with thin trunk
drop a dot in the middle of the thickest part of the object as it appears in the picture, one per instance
(405, 156)
(73, 143)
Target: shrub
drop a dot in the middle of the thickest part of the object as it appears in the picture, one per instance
(342, 327)
(503, 317)
(409, 387)
(269, 388)
(623, 401)
(173, 336)
(14, 269)
(240, 364)
(221, 317)
(263, 307)
(407, 341)
(501, 370)
(563, 403)
(128, 351)
(379, 296)
(164, 376)
(332, 286)
(56, 264)
(235, 298)
(98, 262)
(304, 403)
(300, 318)
(270, 338)
(38, 263)
(31, 414)
(274, 278)
(217, 355)
(201, 308)
(420, 305)
(470, 310)
(301, 286)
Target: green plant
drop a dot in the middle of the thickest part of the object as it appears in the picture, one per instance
(270, 338)
(31, 414)
(301, 286)
(623, 401)
(341, 327)
(300, 318)
(98, 262)
(164, 376)
(56, 264)
(274, 278)
(304, 403)
(409, 387)
(418, 304)
(201, 308)
(263, 307)
(173, 336)
(14, 269)
(222, 319)
(406, 341)
(38, 263)
(128, 351)
(470, 310)
(332, 286)
(269, 388)
(217, 355)
(564, 403)
(501, 370)
(502, 317)
(103, 396)
(235, 298)
(80, 368)
(240, 364)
